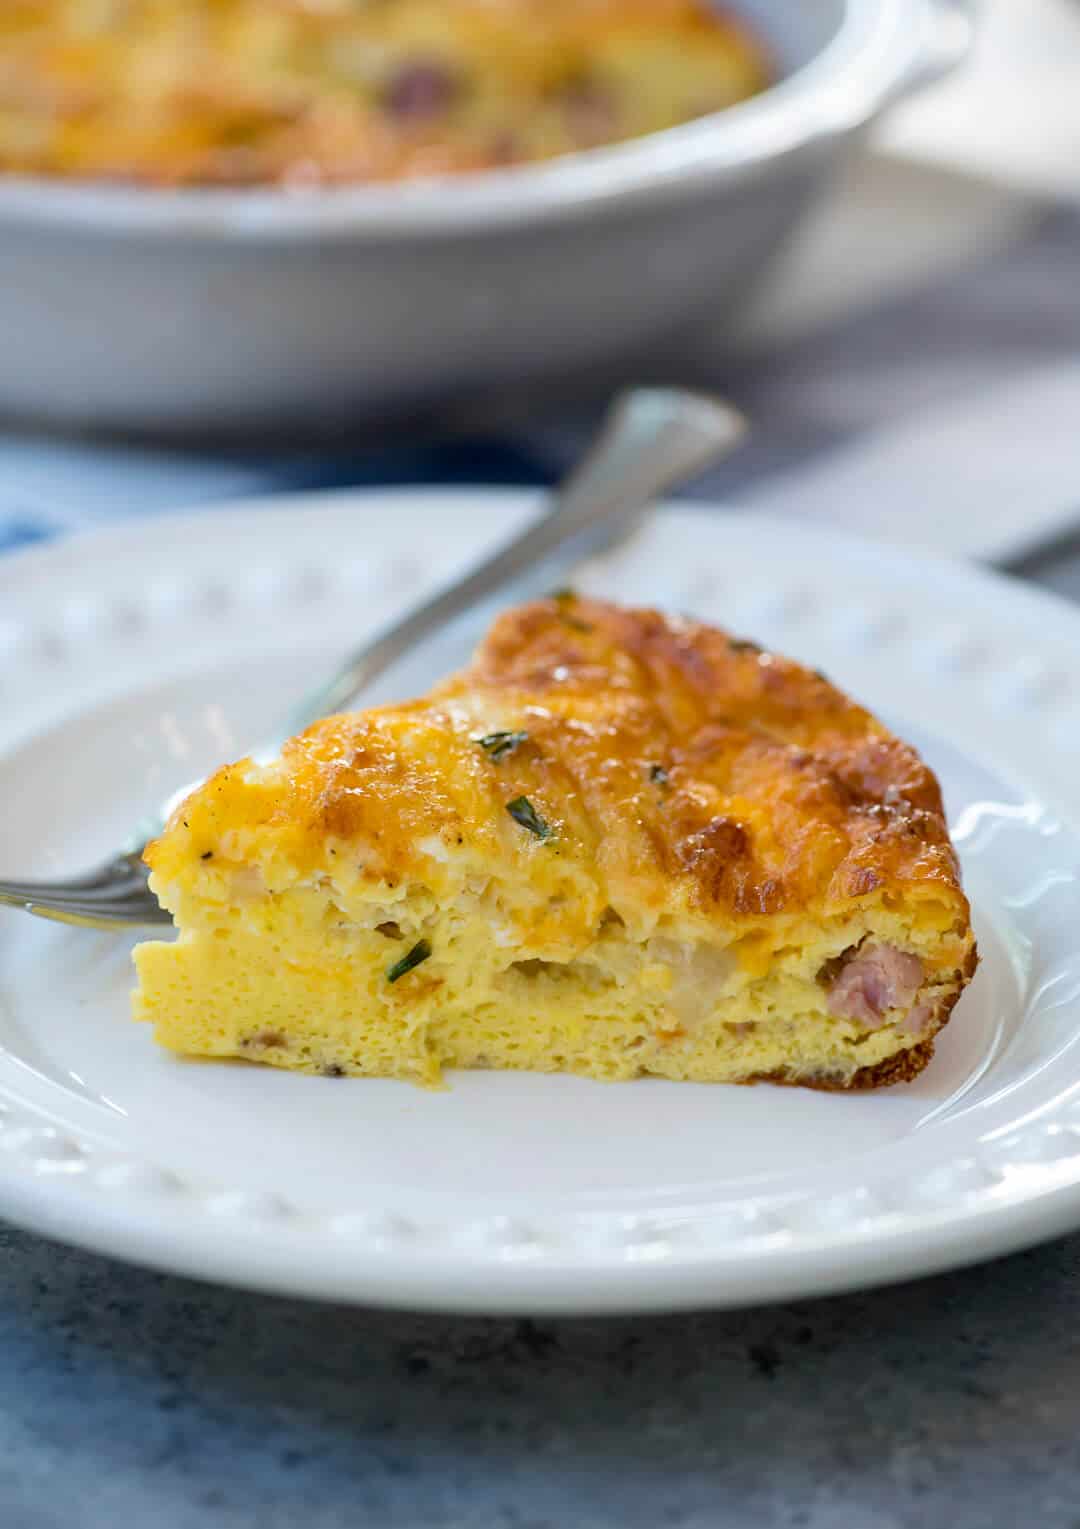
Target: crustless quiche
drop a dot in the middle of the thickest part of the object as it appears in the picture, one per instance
(619, 843)
(234, 92)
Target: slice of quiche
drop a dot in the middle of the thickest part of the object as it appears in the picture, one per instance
(619, 843)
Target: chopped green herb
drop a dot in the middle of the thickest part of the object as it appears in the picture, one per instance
(207, 854)
(498, 744)
(420, 952)
(522, 811)
(658, 775)
(744, 645)
(564, 597)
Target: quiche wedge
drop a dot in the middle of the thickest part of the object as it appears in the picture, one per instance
(618, 843)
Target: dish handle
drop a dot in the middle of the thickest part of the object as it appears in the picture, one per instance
(950, 27)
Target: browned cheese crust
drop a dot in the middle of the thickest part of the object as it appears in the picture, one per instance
(779, 795)
(309, 92)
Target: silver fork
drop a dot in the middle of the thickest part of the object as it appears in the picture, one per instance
(652, 439)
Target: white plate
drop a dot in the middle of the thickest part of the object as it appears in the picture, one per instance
(136, 658)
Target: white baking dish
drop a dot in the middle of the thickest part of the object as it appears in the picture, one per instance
(189, 310)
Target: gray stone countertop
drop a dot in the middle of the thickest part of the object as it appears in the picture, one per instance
(134, 1399)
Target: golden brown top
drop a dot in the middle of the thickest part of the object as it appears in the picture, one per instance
(676, 770)
(229, 92)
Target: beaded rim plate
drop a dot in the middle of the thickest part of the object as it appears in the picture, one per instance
(133, 659)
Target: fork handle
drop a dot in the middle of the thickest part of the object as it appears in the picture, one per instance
(653, 439)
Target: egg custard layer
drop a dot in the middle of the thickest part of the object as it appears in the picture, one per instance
(619, 843)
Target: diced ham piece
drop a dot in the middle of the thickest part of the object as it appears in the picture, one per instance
(421, 89)
(876, 979)
(591, 111)
(921, 1018)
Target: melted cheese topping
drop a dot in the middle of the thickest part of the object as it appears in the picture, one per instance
(618, 843)
(255, 91)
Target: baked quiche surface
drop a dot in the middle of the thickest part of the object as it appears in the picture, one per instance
(249, 92)
(618, 843)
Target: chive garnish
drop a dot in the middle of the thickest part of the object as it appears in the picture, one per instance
(564, 597)
(744, 645)
(522, 811)
(420, 952)
(658, 775)
(498, 744)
